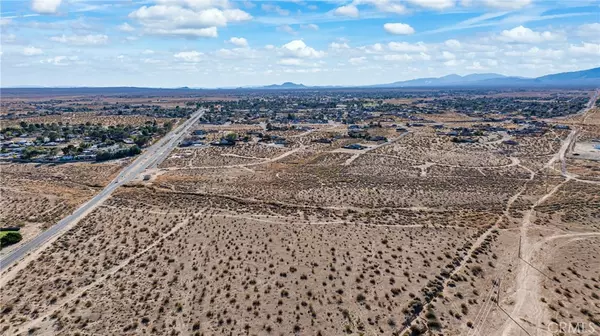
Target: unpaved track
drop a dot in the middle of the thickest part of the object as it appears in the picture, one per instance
(526, 295)
(35, 322)
(527, 305)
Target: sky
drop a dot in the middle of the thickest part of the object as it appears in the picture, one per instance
(226, 43)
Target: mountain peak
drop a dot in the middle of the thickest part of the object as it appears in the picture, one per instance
(286, 85)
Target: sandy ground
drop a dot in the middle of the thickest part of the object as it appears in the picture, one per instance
(416, 235)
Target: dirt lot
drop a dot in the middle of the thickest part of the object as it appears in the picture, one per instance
(415, 235)
(36, 196)
(85, 117)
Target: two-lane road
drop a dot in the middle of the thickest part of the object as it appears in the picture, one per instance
(151, 157)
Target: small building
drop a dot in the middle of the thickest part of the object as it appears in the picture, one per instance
(355, 146)
(377, 138)
(357, 134)
(12, 228)
(223, 142)
(463, 140)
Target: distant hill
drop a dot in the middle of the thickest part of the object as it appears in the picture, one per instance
(449, 80)
(589, 77)
(286, 86)
(584, 78)
(591, 74)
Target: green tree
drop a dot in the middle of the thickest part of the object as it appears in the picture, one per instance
(12, 237)
(53, 136)
(231, 136)
(68, 150)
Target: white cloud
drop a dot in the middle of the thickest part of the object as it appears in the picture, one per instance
(451, 63)
(522, 34)
(357, 60)
(151, 61)
(398, 28)
(275, 9)
(585, 48)
(286, 29)
(453, 44)
(589, 29)
(32, 51)
(388, 6)
(196, 4)
(148, 52)
(537, 53)
(290, 61)
(338, 45)
(236, 53)
(186, 32)
(348, 10)
(310, 26)
(81, 40)
(399, 57)
(183, 17)
(507, 4)
(60, 60)
(239, 41)
(434, 4)
(448, 55)
(7, 38)
(189, 22)
(407, 47)
(126, 27)
(372, 49)
(299, 49)
(189, 56)
(424, 56)
(475, 66)
(45, 6)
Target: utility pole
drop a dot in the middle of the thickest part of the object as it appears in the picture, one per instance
(498, 295)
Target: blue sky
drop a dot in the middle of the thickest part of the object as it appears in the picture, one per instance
(224, 43)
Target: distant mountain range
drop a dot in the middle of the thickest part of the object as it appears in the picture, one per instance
(585, 78)
(285, 86)
(589, 77)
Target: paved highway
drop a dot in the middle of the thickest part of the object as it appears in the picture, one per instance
(151, 157)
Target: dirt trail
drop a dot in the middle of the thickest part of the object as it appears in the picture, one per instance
(527, 305)
(35, 322)
(365, 151)
(243, 165)
(467, 256)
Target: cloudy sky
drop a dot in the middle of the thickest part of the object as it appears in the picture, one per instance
(226, 43)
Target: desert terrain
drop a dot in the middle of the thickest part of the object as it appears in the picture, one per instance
(288, 229)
